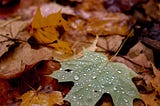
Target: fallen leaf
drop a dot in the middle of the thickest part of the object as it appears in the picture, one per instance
(8, 93)
(109, 24)
(135, 67)
(152, 98)
(31, 98)
(94, 75)
(9, 32)
(13, 63)
(138, 49)
(138, 58)
(46, 31)
(92, 47)
(51, 8)
(109, 43)
(152, 9)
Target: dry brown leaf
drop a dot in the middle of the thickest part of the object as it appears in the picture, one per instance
(90, 5)
(31, 98)
(14, 62)
(138, 49)
(141, 60)
(152, 99)
(135, 67)
(51, 8)
(138, 58)
(106, 23)
(92, 47)
(109, 24)
(152, 9)
(8, 32)
(109, 43)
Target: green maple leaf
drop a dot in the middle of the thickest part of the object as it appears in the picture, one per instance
(93, 75)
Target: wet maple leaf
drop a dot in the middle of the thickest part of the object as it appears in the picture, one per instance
(93, 75)
(31, 98)
(46, 30)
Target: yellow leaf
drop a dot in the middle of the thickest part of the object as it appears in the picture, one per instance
(35, 98)
(44, 30)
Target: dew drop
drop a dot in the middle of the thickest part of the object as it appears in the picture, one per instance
(89, 85)
(76, 77)
(100, 90)
(123, 92)
(114, 88)
(110, 82)
(94, 77)
(119, 72)
(112, 77)
(102, 86)
(126, 100)
(62, 77)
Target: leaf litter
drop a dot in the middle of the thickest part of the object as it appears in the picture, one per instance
(85, 20)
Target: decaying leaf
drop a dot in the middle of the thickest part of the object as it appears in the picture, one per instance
(31, 98)
(94, 75)
(9, 32)
(92, 47)
(141, 55)
(152, 9)
(54, 8)
(15, 61)
(109, 43)
(151, 99)
(7, 93)
(138, 58)
(109, 24)
(46, 30)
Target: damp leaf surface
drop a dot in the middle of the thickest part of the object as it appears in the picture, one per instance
(93, 75)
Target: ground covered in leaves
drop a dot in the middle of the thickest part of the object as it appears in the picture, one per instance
(79, 52)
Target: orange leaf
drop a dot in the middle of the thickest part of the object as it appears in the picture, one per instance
(45, 30)
(36, 98)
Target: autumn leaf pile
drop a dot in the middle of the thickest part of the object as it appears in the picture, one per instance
(80, 53)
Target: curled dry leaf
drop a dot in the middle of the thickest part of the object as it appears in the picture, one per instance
(31, 98)
(9, 31)
(138, 49)
(151, 99)
(135, 67)
(92, 47)
(138, 58)
(152, 9)
(141, 55)
(14, 62)
(109, 43)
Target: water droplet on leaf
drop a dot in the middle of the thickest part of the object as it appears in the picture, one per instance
(76, 77)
